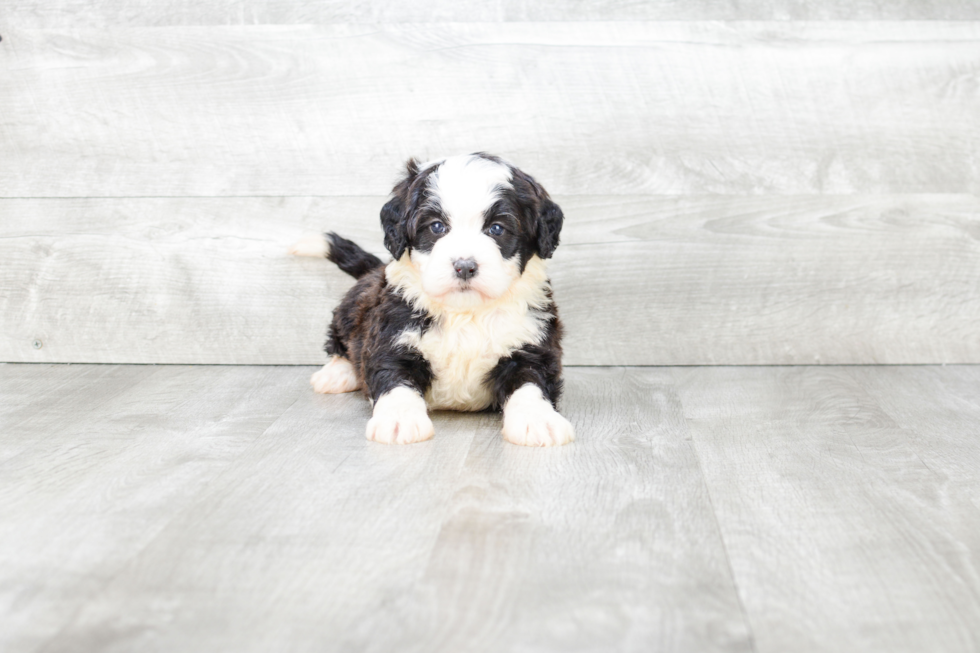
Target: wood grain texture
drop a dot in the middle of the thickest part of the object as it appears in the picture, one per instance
(104, 13)
(318, 540)
(50, 401)
(841, 536)
(314, 525)
(608, 544)
(167, 280)
(589, 108)
(231, 509)
(25, 388)
(104, 472)
(778, 281)
(639, 280)
(940, 410)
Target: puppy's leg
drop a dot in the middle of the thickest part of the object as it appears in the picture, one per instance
(397, 378)
(400, 417)
(336, 377)
(530, 419)
(527, 385)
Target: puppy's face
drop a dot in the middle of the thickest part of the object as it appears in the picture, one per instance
(470, 225)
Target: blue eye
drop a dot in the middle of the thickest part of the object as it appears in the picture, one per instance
(437, 227)
(495, 230)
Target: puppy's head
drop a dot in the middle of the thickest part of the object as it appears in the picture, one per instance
(470, 225)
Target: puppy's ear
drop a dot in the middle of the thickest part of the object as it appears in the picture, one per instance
(394, 214)
(393, 223)
(544, 215)
(550, 219)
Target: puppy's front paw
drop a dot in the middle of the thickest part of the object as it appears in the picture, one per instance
(530, 420)
(335, 377)
(400, 417)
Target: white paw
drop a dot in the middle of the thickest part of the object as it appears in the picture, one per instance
(336, 376)
(400, 417)
(530, 420)
(312, 245)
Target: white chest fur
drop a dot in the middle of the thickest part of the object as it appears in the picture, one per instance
(463, 346)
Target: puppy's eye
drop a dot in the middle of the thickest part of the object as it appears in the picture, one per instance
(437, 227)
(495, 230)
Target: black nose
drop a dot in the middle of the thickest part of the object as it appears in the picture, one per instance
(465, 268)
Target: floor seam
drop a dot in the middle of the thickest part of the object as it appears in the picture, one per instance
(714, 516)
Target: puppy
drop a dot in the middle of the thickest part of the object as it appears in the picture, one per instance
(463, 317)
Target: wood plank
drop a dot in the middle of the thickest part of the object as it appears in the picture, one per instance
(608, 544)
(314, 524)
(58, 398)
(103, 13)
(84, 498)
(168, 517)
(840, 537)
(165, 280)
(940, 409)
(320, 540)
(851, 281)
(589, 108)
(22, 386)
(639, 280)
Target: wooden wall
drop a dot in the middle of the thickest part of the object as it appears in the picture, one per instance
(740, 188)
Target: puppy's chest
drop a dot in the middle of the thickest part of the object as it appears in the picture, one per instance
(463, 348)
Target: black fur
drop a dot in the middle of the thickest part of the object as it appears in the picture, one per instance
(539, 364)
(542, 216)
(399, 216)
(549, 227)
(364, 329)
(388, 365)
(424, 238)
(349, 257)
(393, 223)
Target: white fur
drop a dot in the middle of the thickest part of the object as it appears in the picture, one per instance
(336, 377)
(311, 245)
(400, 417)
(530, 420)
(465, 187)
(463, 345)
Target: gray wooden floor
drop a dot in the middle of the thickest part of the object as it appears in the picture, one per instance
(192, 508)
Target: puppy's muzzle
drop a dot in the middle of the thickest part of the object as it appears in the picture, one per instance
(465, 268)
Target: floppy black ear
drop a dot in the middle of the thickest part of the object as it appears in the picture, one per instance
(394, 214)
(545, 215)
(393, 223)
(550, 219)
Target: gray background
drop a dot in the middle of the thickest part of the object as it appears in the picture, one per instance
(744, 182)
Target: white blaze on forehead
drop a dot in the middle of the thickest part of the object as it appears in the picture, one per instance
(466, 186)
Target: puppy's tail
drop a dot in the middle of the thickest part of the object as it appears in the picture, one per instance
(348, 256)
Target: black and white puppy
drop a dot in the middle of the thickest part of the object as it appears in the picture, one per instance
(463, 317)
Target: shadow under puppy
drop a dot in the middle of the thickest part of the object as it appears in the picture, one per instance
(463, 317)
